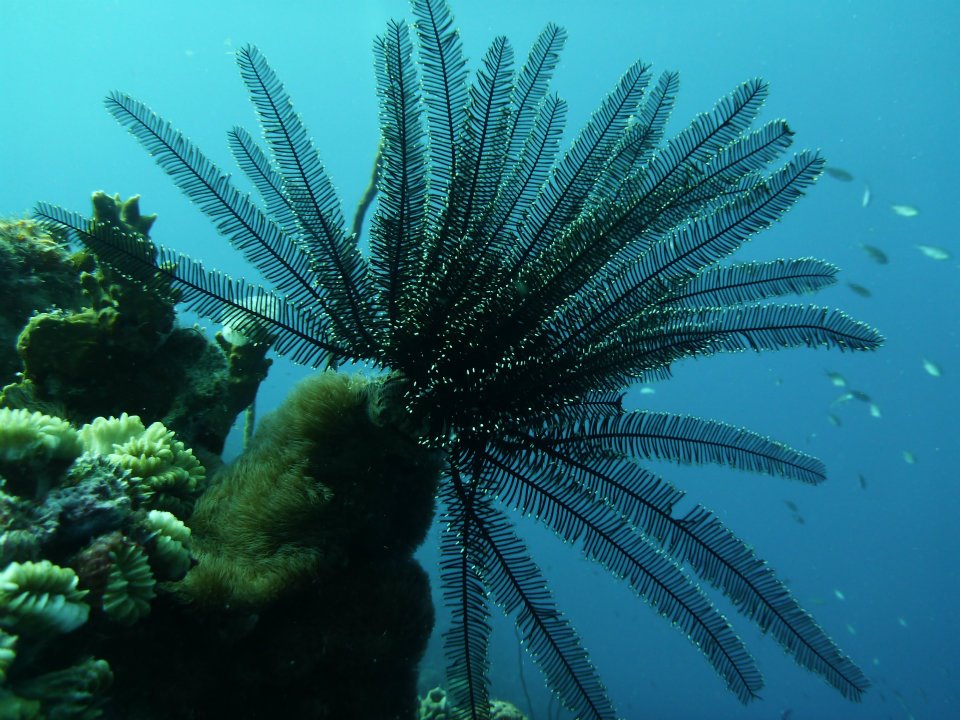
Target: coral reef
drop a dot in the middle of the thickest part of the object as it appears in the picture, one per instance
(305, 568)
(95, 556)
(295, 571)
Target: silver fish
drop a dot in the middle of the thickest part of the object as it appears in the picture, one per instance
(836, 379)
(933, 252)
(932, 368)
(907, 211)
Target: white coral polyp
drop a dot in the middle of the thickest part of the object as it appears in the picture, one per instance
(103, 434)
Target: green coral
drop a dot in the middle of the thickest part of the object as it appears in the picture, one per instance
(102, 435)
(13, 707)
(74, 693)
(26, 435)
(165, 474)
(170, 554)
(130, 586)
(40, 598)
(8, 653)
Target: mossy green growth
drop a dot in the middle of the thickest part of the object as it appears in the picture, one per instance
(322, 485)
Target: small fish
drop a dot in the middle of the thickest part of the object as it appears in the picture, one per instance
(839, 594)
(845, 398)
(836, 378)
(851, 629)
(834, 420)
(907, 211)
(875, 253)
(933, 252)
(838, 174)
(865, 200)
(901, 622)
(909, 458)
(798, 518)
(860, 395)
(859, 290)
(863, 481)
(875, 411)
(647, 390)
(932, 368)
(790, 504)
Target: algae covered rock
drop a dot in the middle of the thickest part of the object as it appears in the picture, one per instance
(39, 273)
(111, 345)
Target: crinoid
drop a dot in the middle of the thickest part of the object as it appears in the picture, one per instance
(511, 293)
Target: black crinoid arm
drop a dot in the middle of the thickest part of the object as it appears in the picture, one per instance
(511, 293)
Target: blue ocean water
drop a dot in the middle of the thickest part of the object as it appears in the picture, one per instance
(872, 84)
